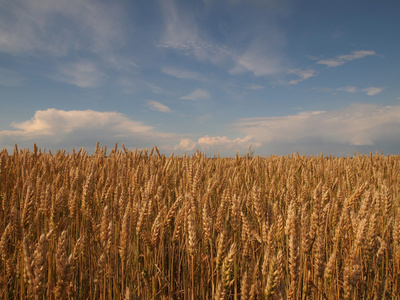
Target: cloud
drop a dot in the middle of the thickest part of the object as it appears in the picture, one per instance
(302, 74)
(371, 91)
(185, 145)
(183, 34)
(157, 106)
(255, 87)
(264, 54)
(355, 125)
(342, 59)
(121, 63)
(57, 27)
(260, 58)
(50, 31)
(10, 78)
(223, 143)
(216, 144)
(257, 63)
(76, 128)
(351, 89)
(180, 31)
(83, 74)
(183, 74)
(247, 50)
(197, 94)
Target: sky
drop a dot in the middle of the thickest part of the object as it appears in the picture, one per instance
(220, 76)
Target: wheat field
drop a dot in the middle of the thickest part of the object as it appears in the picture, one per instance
(142, 225)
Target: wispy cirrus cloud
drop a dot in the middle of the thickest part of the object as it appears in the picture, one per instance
(260, 57)
(83, 74)
(196, 95)
(257, 53)
(57, 27)
(260, 64)
(342, 59)
(158, 106)
(183, 34)
(66, 29)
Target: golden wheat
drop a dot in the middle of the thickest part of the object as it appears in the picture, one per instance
(140, 225)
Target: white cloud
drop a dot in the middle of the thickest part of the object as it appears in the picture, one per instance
(197, 94)
(183, 74)
(185, 145)
(53, 121)
(351, 89)
(371, 91)
(255, 87)
(302, 74)
(58, 129)
(158, 106)
(357, 125)
(83, 74)
(330, 62)
(216, 144)
(223, 143)
(342, 59)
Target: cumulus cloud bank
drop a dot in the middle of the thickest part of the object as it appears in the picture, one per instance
(358, 127)
(355, 125)
(74, 129)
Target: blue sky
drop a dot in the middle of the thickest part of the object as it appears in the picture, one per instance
(278, 75)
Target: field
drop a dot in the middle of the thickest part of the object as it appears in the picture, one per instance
(141, 225)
